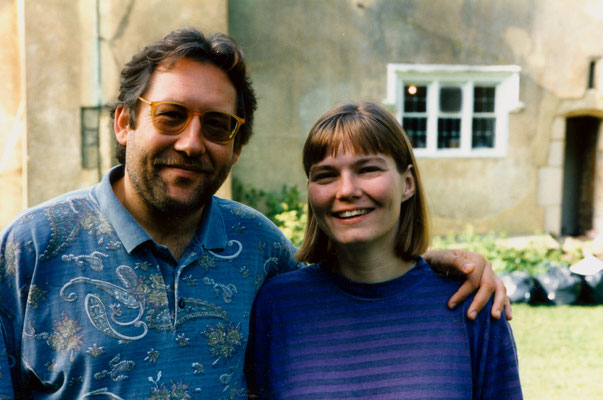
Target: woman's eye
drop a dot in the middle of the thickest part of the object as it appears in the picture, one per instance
(322, 176)
(369, 169)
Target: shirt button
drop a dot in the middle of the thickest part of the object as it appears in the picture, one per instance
(181, 303)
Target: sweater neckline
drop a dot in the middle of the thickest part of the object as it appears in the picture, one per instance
(374, 291)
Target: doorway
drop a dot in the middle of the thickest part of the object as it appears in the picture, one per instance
(577, 207)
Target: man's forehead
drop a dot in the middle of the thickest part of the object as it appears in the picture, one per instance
(186, 79)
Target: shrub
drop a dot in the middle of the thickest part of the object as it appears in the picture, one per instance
(285, 208)
(535, 258)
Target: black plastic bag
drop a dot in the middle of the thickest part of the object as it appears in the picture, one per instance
(557, 286)
(519, 286)
(593, 288)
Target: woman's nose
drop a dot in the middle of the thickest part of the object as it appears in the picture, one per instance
(348, 187)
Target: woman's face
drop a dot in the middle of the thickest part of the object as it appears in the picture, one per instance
(356, 198)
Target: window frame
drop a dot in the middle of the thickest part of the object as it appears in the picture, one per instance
(504, 78)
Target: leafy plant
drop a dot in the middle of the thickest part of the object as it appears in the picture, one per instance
(536, 257)
(285, 207)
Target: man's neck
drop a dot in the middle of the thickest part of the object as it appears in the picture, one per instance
(168, 229)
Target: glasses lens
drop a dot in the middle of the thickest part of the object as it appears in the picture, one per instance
(170, 118)
(218, 127)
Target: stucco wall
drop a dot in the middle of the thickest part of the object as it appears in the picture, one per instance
(58, 56)
(308, 56)
(12, 129)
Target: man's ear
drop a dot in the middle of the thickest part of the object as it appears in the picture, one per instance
(236, 154)
(408, 180)
(121, 124)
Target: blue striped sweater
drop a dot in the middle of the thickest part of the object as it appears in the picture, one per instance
(317, 335)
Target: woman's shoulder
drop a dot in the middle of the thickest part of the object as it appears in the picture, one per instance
(291, 284)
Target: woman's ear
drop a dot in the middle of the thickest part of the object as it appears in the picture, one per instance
(408, 183)
(121, 124)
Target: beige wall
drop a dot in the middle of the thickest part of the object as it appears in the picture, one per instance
(308, 56)
(12, 107)
(52, 63)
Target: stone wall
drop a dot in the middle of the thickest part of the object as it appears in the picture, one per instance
(309, 56)
(57, 57)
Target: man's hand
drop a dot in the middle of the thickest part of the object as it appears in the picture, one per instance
(478, 275)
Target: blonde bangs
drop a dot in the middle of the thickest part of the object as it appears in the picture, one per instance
(354, 133)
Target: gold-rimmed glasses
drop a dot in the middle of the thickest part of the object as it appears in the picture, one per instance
(171, 118)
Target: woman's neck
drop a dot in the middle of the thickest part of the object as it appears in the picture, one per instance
(370, 265)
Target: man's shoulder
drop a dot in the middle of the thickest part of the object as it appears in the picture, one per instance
(234, 211)
(61, 206)
(238, 209)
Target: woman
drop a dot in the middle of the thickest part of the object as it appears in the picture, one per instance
(368, 320)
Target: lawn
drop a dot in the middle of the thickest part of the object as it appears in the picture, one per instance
(560, 351)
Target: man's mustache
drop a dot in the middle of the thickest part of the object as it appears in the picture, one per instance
(192, 165)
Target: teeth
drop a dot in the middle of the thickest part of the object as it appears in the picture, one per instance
(353, 213)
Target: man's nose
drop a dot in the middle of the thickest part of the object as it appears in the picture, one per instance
(191, 141)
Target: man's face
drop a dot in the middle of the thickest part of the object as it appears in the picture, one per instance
(179, 173)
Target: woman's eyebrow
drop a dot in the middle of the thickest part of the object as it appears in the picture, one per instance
(370, 158)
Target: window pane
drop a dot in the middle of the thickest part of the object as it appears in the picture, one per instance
(449, 133)
(483, 99)
(483, 133)
(415, 98)
(451, 99)
(416, 129)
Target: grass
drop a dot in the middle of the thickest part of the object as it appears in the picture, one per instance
(560, 351)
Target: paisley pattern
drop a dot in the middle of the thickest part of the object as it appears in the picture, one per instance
(68, 219)
(98, 321)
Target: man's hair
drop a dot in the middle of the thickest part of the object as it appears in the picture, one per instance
(365, 128)
(187, 43)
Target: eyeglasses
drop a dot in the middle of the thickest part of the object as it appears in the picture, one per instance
(171, 118)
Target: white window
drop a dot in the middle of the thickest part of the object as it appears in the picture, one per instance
(454, 110)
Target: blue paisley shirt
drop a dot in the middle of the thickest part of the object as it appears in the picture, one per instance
(92, 307)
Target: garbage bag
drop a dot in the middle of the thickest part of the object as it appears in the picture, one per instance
(519, 286)
(557, 286)
(593, 288)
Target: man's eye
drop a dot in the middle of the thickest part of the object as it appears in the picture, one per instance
(172, 115)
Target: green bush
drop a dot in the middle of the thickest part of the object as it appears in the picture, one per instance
(289, 212)
(285, 207)
(535, 258)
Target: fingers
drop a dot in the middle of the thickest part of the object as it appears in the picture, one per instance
(487, 286)
(480, 300)
(508, 311)
(452, 262)
(500, 298)
(465, 290)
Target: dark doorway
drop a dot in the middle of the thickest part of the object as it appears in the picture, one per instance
(579, 175)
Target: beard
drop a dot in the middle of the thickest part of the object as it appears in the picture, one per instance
(154, 190)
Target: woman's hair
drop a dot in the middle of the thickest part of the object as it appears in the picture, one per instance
(365, 128)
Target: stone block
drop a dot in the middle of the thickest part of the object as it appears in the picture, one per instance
(550, 184)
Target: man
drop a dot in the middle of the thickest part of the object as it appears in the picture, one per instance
(141, 286)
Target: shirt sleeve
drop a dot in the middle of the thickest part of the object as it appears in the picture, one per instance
(6, 385)
(285, 260)
(9, 304)
(494, 358)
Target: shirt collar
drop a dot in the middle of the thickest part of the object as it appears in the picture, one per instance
(211, 234)
(130, 233)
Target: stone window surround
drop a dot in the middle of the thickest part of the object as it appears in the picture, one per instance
(504, 77)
